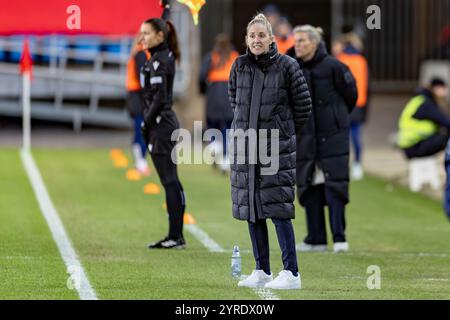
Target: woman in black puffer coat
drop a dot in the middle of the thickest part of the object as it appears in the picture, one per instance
(267, 91)
(323, 144)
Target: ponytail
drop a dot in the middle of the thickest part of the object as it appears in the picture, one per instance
(172, 41)
(170, 34)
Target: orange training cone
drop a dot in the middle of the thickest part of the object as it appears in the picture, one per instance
(188, 219)
(120, 162)
(133, 175)
(152, 188)
(115, 153)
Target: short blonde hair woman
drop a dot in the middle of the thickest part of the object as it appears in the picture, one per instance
(267, 91)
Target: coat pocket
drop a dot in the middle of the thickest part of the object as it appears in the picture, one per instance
(280, 126)
(335, 115)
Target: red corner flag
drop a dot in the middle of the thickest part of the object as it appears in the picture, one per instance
(26, 62)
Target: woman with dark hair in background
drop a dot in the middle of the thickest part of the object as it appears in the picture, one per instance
(134, 103)
(213, 81)
(159, 37)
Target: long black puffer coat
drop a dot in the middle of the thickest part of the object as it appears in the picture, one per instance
(325, 138)
(266, 92)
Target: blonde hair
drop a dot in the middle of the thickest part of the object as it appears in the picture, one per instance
(314, 33)
(261, 18)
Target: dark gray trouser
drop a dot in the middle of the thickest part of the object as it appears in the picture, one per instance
(286, 239)
(316, 198)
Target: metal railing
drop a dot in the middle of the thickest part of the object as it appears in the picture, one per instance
(71, 77)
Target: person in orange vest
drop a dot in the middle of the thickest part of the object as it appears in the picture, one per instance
(348, 51)
(213, 81)
(284, 36)
(138, 57)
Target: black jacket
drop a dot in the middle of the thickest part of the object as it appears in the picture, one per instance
(325, 138)
(266, 92)
(429, 110)
(159, 118)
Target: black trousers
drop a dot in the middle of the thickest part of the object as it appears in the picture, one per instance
(175, 199)
(260, 243)
(315, 200)
(428, 147)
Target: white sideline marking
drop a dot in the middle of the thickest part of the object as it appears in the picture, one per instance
(376, 253)
(204, 238)
(85, 290)
(266, 294)
(436, 279)
(211, 245)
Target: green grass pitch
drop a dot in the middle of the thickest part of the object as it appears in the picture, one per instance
(110, 222)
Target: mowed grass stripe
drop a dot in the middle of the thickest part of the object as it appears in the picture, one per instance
(50, 214)
(30, 264)
(111, 221)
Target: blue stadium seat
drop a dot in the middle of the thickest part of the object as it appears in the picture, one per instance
(113, 48)
(58, 43)
(87, 48)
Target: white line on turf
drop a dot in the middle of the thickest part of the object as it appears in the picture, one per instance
(84, 288)
(377, 253)
(436, 279)
(211, 245)
(204, 238)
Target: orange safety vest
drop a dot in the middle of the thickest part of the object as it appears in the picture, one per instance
(284, 45)
(360, 71)
(132, 81)
(221, 73)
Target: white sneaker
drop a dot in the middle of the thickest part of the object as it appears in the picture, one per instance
(305, 247)
(225, 165)
(340, 247)
(357, 171)
(142, 167)
(217, 150)
(257, 279)
(285, 280)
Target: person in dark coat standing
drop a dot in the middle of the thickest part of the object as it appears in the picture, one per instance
(160, 121)
(213, 81)
(323, 144)
(268, 93)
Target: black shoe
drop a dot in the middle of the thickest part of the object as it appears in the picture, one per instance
(168, 243)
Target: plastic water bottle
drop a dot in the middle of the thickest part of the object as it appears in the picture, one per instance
(236, 263)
